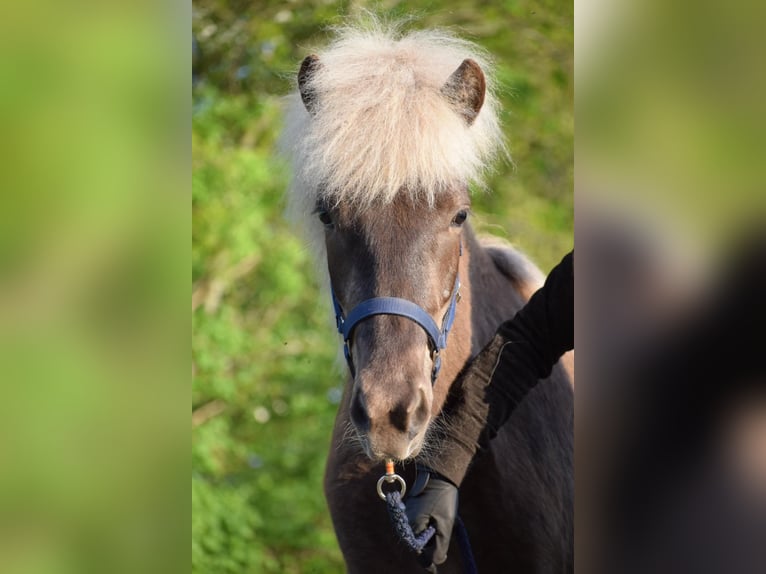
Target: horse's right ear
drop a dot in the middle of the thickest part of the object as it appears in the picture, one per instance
(309, 66)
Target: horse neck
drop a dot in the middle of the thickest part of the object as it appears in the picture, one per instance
(471, 330)
(488, 297)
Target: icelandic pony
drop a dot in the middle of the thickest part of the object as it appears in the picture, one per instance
(385, 133)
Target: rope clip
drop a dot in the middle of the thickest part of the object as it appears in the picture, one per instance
(390, 477)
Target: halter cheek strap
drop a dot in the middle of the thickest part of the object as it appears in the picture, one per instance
(437, 337)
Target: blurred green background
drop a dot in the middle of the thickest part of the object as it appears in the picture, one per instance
(265, 381)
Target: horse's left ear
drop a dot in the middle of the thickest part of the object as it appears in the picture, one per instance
(465, 90)
(309, 66)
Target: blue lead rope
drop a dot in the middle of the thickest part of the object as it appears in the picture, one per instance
(398, 514)
(469, 562)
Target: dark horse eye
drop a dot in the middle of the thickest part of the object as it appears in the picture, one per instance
(459, 218)
(325, 218)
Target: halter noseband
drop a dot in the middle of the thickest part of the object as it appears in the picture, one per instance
(402, 307)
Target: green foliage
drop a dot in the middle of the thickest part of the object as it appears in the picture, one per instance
(261, 356)
(265, 386)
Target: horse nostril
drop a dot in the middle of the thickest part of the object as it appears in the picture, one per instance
(420, 413)
(359, 415)
(410, 416)
(399, 418)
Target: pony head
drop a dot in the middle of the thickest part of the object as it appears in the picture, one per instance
(385, 134)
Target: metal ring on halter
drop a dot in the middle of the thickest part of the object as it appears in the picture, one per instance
(391, 478)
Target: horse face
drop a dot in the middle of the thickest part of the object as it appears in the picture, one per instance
(405, 249)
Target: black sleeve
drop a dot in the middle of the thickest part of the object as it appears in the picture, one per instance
(523, 351)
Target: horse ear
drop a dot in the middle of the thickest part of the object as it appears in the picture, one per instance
(465, 90)
(309, 66)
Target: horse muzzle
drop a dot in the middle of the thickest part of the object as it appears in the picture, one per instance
(392, 424)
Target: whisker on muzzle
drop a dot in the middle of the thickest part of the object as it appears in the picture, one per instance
(352, 437)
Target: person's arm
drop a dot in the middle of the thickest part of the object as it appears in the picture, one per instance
(523, 351)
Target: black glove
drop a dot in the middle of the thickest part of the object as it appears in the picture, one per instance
(435, 503)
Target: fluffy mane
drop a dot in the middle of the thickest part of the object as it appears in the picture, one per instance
(381, 126)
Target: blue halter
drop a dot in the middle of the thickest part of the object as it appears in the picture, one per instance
(404, 308)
